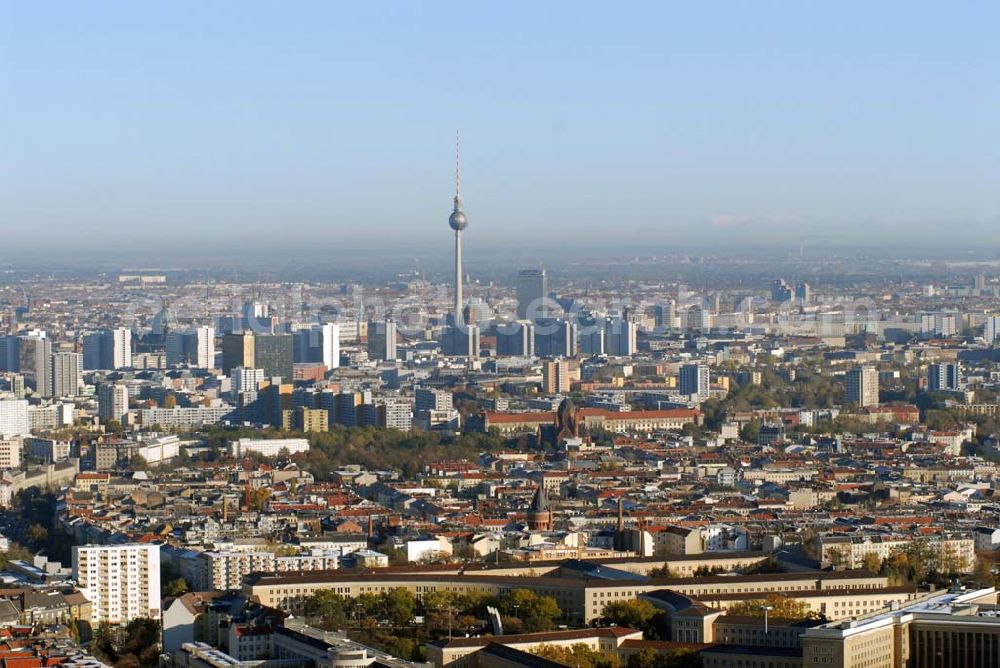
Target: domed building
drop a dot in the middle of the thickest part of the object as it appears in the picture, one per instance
(163, 322)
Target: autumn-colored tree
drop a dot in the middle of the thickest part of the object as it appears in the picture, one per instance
(779, 607)
(871, 562)
(259, 497)
(579, 656)
(648, 657)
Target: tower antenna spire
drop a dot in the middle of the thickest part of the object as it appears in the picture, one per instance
(458, 165)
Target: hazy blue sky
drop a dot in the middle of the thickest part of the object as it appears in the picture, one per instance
(330, 124)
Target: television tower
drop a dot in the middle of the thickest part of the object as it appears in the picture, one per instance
(458, 222)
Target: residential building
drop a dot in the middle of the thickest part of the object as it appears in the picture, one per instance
(13, 417)
(67, 374)
(695, 381)
(122, 582)
(944, 377)
(862, 386)
(555, 377)
(112, 403)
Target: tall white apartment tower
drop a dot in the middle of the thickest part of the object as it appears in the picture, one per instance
(694, 379)
(992, 330)
(112, 402)
(862, 386)
(14, 417)
(122, 582)
(67, 374)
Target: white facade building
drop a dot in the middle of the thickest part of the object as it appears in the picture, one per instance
(10, 452)
(13, 417)
(268, 447)
(112, 403)
(122, 582)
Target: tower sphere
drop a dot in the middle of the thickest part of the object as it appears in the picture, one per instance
(458, 221)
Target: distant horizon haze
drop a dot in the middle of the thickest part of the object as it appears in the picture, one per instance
(191, 129)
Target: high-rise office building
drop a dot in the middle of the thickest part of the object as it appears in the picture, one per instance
(35, 363)
(319, 343)
(193, 347)
(532, 293)
(382, 340)
(67, 374)
(664, 314)
(108, 349)
(121, 582)
(803, 293)
(620, 337)
(944, 377)
(862, 386)
(274, 353)
(699, 319)
(238, 350)
(112, 403)
(555, 338)
(694, 380)
(591, 332)
(781, 291)
(9, 347)
(460, 341)
(516, 339)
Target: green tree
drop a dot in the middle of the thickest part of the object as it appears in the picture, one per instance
(400, 605)
(175, 587)
(638, 614)
(330, 611)
(532, 611)
(37, 534)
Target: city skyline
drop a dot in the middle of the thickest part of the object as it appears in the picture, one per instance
(656, 125)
